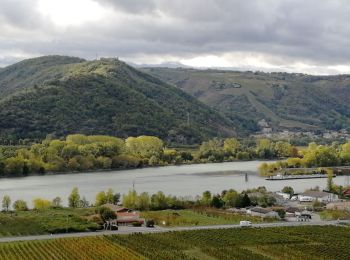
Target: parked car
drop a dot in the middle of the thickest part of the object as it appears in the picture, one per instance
(150, 223)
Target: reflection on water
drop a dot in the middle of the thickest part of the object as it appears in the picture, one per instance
(177, 180)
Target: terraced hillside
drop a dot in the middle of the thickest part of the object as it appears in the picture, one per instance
(285, 101)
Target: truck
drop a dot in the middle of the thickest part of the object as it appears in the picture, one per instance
(245, 223)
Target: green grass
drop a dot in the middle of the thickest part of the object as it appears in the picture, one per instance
(197, 217)
(306, 242)
(45, 221)
(334, 214)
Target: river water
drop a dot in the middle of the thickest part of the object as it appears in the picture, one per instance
(184, 180)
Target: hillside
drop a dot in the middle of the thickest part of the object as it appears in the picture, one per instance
(285, 101)
(63, 95)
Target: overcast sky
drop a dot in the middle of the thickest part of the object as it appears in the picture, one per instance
(309, 36)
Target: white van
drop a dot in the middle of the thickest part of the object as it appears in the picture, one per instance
(245, 223)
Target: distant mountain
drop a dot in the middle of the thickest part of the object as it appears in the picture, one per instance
(285, 101)
(63, 95)
(173, 65)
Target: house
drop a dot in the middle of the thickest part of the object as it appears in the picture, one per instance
(346, 193)
(343, 205)
(293, 211)
(285, 196)
(125, 216)
(320, 196)
(262, 212)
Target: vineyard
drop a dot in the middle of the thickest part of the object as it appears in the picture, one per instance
(198, 216)
(267, 243)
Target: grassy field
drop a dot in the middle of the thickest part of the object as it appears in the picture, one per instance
(198, 217)
(334, 214)
(268, 243)
(46, 221)
(23, 223)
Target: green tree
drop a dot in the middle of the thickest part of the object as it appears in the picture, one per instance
(84, 203)
(20, 205)
(230, 197)
(206, 198)
(56, 202)
(216, 202)
(159, 201)
(330, 183)
(110, 196)
(101, 198)
(106, 214)
(145, 146)
(74, 198)
(6, 202)
(130, 199)
(289, 190)
(143, 201)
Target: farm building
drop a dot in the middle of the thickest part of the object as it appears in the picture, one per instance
(125, 216)
(262, 212)
(320, 196)
(346, 193)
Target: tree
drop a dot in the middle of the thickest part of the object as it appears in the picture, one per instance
(6, 202)
(330, 183)
(84, 203)
(110, 196)
(57, 202)
(265, 149)
(206, 198)
(74, 198)
(143, 201)
(216, 202)
(231, 146)
(41, 204)
(101, 198)
(159, 201)
(230, 197)
(289, 190)
(130, 199)
(20, 205)
(245, 201)
(145, 146)
(106, 214)
(116, 198)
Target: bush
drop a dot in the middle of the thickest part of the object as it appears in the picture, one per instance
(136, 224)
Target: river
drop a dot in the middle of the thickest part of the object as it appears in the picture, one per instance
(184, 180)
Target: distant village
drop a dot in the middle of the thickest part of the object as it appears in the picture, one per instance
(266, 131)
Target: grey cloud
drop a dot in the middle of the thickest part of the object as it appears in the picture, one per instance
(132, 6)
(317, 32)
(20, 13)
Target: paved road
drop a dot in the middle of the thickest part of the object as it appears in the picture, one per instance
(132, 230)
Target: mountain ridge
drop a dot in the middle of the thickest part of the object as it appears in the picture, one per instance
(105, 96)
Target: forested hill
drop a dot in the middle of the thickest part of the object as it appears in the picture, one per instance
(285, 101)
(62, 95)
